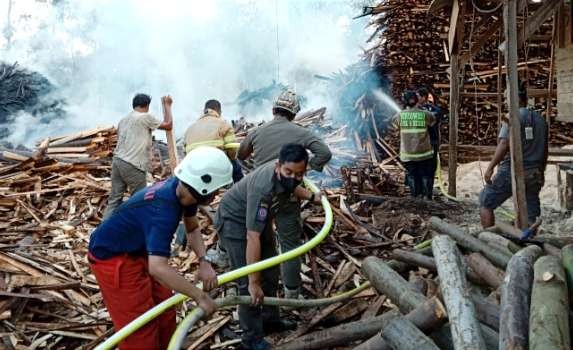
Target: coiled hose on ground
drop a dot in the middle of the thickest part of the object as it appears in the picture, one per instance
(196, 314)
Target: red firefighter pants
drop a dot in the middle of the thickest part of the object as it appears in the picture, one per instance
(128, 291)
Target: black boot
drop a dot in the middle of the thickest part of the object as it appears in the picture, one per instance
(278, 326)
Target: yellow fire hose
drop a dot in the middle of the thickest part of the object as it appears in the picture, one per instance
(226, 277)
(196, 314)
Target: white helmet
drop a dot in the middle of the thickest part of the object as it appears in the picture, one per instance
(206, 169)
(287, 100)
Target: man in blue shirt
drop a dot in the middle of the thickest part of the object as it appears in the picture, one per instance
(534, 143)
(129, 251)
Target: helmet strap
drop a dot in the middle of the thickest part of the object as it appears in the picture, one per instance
(199, 198)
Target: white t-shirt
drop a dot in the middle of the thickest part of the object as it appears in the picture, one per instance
(134, 139)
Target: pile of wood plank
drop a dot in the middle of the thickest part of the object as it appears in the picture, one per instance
(52, 197)
(50, 200)
(410, 49)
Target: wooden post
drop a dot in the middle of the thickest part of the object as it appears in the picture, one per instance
(465, 327)
(453, 124)
(517, 173)
(515, 300)
(499, 85)
(455, 38)
(551, 76)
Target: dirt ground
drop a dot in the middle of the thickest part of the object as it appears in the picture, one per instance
(470, 183)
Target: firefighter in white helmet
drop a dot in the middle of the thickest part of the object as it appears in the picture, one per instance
(129, 251)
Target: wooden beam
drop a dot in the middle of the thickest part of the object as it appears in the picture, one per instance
(517, 173)
(531, 93)
(542, 14)
(546, 10)
(437, 5)
(483, 39)
(454, 23)
(486, 36)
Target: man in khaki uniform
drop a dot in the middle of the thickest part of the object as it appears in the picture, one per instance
(415, 148)
(131, 156)
(212, 130)
(265, 144)
(244, 224)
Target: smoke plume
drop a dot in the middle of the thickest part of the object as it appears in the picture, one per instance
(99, 53)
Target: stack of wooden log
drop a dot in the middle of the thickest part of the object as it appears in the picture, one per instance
(410, 49)
(465, 291)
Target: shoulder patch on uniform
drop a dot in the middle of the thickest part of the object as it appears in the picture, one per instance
(150, 192)
(262, 212)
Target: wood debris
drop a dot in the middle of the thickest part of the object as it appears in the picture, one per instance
(51, 199)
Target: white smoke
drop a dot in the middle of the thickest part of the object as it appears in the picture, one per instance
(101, 52)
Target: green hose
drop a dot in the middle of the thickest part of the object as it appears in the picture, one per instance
(226, 277)
(196, 314)
(427, 243)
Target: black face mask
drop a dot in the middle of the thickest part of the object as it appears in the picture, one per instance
(199, 198)
(289, 183)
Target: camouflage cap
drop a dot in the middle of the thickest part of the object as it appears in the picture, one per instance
(287, 100)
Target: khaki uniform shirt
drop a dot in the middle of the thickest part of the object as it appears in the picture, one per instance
(267, 140)
(413, 124)
(134, 139)
(210, 130)
(253, 201)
